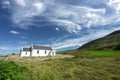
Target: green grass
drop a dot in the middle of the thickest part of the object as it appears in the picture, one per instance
(115, 54)
(81, 67)
(11, 71)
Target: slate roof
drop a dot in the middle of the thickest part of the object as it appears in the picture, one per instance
(41, 47)
(37, 47)
(26, 49)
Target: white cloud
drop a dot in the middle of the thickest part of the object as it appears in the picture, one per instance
(114, 4)
(110, 2)
(57, 29)
(4, 48)
(88, 25)
(21, 2)
(88, 9)
(5, 4)
(23, 42)
(14, 32)
(38, 5)
(68, 25)
(91, 15)
(71, 18)
(78, 15)
(8, 48)
(23, 14)
(23, 37)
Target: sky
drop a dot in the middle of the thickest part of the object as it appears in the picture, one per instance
(62, 24)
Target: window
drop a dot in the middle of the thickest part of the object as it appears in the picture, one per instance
(52, 53)
(38, 52)
(45, 52)
(26, 53)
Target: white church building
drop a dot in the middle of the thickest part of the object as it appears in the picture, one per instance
(36, 51)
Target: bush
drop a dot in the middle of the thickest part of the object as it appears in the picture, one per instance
(13, 53)
(11, 71)
(64, 53)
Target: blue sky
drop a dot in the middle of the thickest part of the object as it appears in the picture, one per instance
(63, 24)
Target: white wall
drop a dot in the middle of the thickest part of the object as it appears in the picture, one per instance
(35, 53)
(41, 52)
(53, 53)
(25, 53)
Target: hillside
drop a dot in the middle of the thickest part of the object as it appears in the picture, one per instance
(109, 42)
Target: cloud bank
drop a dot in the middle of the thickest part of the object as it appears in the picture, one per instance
(83, 20)
(66, 15)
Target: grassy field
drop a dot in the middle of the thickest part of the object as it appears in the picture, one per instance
(113, 54)
(86, 65)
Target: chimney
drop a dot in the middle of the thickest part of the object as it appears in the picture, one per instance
(22, 48)
(31, 46)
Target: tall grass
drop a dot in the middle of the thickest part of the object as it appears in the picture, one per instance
(81, 67)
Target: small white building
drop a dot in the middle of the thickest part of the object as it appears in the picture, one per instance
(35, 51)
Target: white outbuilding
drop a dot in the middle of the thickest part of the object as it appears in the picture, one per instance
(36, 51)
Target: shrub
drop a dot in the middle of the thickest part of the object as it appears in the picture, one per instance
(11, 71)
(64, 53)
(13, 53)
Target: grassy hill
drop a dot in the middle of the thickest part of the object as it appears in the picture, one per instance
(109, 42)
